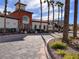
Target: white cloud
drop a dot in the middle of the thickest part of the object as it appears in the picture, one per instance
(8, 9)
(51, 16)
(32, 5)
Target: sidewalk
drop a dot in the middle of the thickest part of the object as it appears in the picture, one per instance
(32, 47)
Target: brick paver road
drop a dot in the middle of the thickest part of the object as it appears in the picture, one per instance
(32, 47)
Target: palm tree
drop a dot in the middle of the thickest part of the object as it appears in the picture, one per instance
(66, 21)
(52, 3)
(5, 10)
(20, 27)
(48, 13)
(75, 18)
(61, 5)
(48, 2)
(41, 14)
(58, 4)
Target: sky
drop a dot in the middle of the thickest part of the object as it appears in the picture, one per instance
(34, 6)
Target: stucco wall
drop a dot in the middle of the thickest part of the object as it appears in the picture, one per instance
(38, 24)
(1, 22)
(10, 23)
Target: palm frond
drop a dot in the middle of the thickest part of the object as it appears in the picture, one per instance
(61, 4)
(58, 3)
(44, 1)
(52, 1)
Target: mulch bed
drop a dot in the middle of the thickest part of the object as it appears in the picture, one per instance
(74, 44)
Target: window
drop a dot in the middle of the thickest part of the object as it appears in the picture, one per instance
(44, 26)
(35, 27)
(25, 19)
(39, 26)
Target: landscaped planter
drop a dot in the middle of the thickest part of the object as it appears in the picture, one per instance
(52, 52)
(66, 55)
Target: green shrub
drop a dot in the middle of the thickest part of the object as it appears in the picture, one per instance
(71, 56)
(58, 45)
(60, 52)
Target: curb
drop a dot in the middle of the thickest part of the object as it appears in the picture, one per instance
(46, 48)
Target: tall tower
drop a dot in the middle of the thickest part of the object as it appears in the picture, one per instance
(20, 6)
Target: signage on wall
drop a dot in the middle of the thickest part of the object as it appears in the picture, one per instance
(25, 19)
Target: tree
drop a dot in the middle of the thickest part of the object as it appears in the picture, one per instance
(58, 4)
(41, 14)
(75, 18)
(48, 2)
(66, 21)
(5, 10)
(52, 3)
(61, 5)
(21, 25)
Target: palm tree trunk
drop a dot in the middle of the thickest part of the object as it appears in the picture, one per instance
(41, 15)
(48, 15)
(66, 21)
(53, 18)
(58, 17)
(75, 18)
(61, 17)
(61, 14)
(5, 10)
(20, 24)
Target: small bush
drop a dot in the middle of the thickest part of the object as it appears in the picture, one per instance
(60, 52)
(71, 56)
(58, 45)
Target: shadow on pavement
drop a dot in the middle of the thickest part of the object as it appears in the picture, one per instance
(12, 38)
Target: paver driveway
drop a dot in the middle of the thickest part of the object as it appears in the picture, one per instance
(32, 47)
